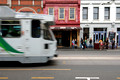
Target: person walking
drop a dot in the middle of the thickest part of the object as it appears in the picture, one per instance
(101, 44)
(106, 43)
(81, 43)
(113, 43)
(85, 42)
(90, 43)
(73, 43)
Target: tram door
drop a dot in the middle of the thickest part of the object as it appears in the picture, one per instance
(118, 38)
(99, 35)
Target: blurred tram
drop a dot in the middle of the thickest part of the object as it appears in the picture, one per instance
(26, 37)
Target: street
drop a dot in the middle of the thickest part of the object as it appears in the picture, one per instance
(69, 65)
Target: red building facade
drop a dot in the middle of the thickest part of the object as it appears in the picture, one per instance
(67, 20)
(32, 6)
(3, 2)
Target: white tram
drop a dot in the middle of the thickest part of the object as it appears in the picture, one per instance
(26, 37)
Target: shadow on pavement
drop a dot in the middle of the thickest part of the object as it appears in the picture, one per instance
(18, 64)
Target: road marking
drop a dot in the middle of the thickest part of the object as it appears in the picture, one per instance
(87, 58)
(42, 77)
(118, 77)
(35, 69)
(88, 78)
(64, 62)
(3, 77)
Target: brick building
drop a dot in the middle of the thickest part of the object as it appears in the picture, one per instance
(32, 6)
(67, 20)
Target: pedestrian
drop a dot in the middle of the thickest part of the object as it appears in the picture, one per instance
(85, 42)
(113, 43)
(101, 44)
(90, 43)
(73, 43)
(106, 43)
(81, 43)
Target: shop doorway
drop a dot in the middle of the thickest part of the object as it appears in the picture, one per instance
(118, 38)
(74, 34)
(85, 33)
(66, 38)
(63, 38)
(100, 34)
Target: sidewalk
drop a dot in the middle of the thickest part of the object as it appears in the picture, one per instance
(88, 52)
(86, 49)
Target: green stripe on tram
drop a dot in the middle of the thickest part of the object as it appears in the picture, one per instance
(7, 47)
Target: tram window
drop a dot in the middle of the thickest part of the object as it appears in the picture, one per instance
(10, 29)
(35, 28)
(47, 35)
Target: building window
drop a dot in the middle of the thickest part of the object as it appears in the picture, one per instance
(118, 13)
(107, 13)
(96, 13)
(51, 11)
(61, 13)
(72, 13)
(38, 10)
(85, 12)
(26, 11)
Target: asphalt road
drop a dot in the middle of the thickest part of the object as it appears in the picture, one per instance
(70, 65)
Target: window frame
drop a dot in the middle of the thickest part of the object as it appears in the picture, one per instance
(94, 13)
(108, 13)
(59, 14)
(117, 13)
(49, 10)
(70, 13)
(85, 14)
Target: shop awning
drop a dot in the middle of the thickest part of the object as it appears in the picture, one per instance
(64, 27)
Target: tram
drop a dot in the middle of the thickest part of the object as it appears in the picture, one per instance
(26, 37)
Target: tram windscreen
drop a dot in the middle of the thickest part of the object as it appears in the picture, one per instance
(47, 35)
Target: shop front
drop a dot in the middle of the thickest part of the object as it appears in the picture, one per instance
(118, 36)
(65, 35)
(100, 33)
